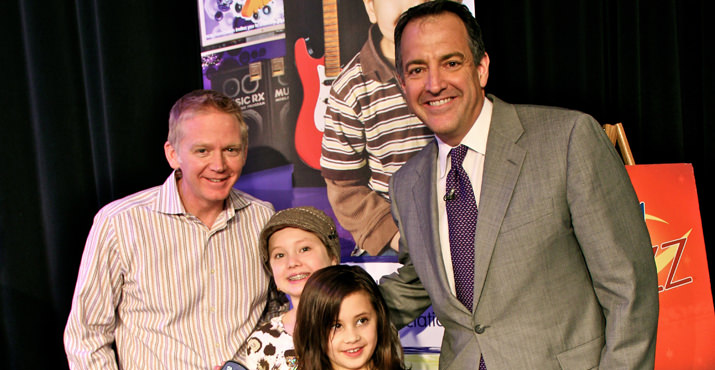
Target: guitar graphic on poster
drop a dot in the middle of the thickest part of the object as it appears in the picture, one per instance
(316, 75)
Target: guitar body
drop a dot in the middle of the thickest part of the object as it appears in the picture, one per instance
(321, 106)
(309, 128)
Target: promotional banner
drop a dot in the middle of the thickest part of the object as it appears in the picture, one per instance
(278, 58)
(686, 325)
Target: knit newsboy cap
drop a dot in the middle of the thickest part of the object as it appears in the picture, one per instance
(306, 218)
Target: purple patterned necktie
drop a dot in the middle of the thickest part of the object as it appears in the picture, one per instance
(462, 216)
(462, 221)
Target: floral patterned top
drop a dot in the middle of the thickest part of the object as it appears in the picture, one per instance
(269, 347)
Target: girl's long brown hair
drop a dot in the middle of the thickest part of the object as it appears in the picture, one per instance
(320, 307)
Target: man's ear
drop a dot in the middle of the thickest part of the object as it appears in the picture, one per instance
(483, 70)
(370, 9)
(171, 155)
(400, 79)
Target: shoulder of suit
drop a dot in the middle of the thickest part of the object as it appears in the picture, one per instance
(538, 112)
(417, 163)
(538, 116)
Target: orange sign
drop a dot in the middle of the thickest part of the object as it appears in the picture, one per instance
(686, 326)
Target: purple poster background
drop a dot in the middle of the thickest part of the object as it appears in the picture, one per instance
(256, 66)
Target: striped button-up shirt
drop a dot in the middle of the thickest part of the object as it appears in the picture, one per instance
(369, 130)
(169, 291)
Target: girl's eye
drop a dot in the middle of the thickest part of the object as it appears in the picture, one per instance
(277, 256)
(362, 321)
(304, 249)
(337, 325)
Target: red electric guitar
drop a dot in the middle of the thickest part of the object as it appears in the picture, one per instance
(316, 75)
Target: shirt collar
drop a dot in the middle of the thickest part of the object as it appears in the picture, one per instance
(476, 138)
(371, 59)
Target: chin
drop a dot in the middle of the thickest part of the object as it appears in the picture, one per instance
(218, 196)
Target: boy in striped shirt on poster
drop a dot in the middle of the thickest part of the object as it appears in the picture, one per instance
(172, 277)
(369, 133)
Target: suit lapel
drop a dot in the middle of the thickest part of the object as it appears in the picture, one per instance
(424, 195)
(502, 166)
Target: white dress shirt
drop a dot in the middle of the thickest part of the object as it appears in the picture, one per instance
(476, 141)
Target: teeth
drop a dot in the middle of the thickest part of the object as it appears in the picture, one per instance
(353, 350)
(215, 180)
(298, 277)
(439, 102)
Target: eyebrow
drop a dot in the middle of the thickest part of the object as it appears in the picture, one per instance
(452, 55)
(364, 313)
(441, 59)
(302, 239)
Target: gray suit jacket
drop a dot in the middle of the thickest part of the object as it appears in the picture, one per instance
(564, 271)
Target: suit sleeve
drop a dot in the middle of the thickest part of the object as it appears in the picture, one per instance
(614, 240)
(403, 291)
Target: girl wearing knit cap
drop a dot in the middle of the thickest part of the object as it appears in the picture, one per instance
(294, 243)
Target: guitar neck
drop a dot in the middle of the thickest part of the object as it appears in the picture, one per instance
(332, 40)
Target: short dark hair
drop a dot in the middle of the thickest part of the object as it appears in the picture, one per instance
(201, 101)
(437, 7)
(319, 309)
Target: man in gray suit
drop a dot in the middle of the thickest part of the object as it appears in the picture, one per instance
(563, 274)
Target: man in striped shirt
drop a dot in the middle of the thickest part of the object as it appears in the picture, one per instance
(369, 134)
(172, 276)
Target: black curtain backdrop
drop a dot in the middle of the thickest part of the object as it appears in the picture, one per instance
(88, 87)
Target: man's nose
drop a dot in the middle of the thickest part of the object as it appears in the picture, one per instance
(218, 162)
(435, 81)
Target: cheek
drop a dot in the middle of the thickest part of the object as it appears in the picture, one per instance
(276, 268)
(411, 92)
(240, 162)
(235, 163)
(387, 27)
(325, 261)
(332, 341)
(371, 330)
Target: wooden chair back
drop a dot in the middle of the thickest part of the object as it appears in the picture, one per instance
(617, 135)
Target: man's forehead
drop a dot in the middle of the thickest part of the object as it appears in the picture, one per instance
(426, 23)
(189, 114)
(197, 140)
(414, 34)
(201, 135)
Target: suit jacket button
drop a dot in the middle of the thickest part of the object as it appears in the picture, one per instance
(479, 329)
